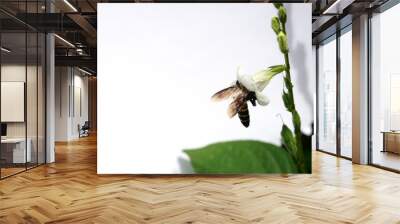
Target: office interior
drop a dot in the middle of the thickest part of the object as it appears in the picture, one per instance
(48, 92)
(48, 127)
(48, 79)
(356, 68)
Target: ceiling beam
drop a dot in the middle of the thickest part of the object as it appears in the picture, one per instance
(337, 6)
(84, 24)
(83, 61)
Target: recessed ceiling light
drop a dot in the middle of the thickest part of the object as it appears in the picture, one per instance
(338, 6)
(70, 5)
(84, 71)
(64, 40)
(5, 50)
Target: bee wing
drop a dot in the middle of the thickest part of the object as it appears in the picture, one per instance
(224, 94)
(235, 105)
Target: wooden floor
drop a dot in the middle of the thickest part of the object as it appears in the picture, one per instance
(5, 172)
(387, 159)
(69, 191)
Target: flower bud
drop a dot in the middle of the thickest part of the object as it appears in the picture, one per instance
(282, 41)
(276, 26)
(277, 5)
(282, 14)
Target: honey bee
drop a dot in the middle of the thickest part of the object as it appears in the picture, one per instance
(240, 96)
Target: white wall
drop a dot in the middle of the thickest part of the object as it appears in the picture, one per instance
(68, 82)
(62, 81)
(80, 84)
(156, 76)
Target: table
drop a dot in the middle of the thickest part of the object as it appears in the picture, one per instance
(391, 141)
(13, 150)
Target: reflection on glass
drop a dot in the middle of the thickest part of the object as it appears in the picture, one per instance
(41, 98)
(385, 84)
(346, 94)
(14, 153)
(22, 91)
(31, 101)
(327, 96)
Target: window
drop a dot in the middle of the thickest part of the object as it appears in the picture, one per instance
(327, 96)
(346, 93)
(385, 89)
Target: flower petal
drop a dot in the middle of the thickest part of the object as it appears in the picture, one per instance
(262, 78)
(262, 99)
(247, 82)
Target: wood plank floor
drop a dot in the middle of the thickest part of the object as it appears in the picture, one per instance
(69, 191)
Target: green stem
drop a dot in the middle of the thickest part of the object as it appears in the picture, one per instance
(295, 115)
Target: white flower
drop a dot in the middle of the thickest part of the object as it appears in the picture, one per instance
(262, 99)
(257, 82)
(262, 78)
(247, 81)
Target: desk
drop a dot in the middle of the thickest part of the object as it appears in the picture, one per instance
(13, 150)
(391, 141)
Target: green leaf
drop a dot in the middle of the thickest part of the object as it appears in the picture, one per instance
(245, 156)
(288, 140)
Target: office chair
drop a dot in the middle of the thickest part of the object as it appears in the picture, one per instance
(84, 130)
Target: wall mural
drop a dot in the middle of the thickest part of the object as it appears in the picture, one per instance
(155, 112)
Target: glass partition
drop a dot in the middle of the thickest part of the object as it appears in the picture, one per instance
(22, 92)
(41, 109)
(13, 145)
(31, 100)
(327, 96)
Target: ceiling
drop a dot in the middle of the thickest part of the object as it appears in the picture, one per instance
(76, 22)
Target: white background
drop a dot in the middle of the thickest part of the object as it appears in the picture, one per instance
(159, 64)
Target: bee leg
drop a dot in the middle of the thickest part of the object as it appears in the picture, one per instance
(253, 102)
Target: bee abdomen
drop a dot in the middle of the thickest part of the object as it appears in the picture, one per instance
(244, 115)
